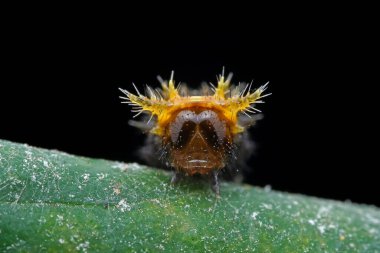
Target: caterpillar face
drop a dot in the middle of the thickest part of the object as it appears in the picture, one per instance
(196, 129)
(197, 139)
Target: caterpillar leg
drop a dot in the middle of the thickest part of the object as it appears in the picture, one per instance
(176, 177)
(215, 183)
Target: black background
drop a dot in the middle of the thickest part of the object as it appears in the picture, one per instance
(60, 80)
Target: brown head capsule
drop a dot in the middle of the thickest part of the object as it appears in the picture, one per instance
(196, 130)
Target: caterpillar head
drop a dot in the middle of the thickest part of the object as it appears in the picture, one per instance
(197, 131)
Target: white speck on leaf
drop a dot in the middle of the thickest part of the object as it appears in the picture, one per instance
(86, 177)
(123, 205)
(83, 246)
(321, 229)
(56, 175)
(312, 222)
(156, 201)
(254, 215)
(332, 226)
(101, 176)
(42, 220)
(73, 238)
(61, 241)
(161, 247)
(59, 219)
(266, 206)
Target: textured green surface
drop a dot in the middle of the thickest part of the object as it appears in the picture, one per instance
(55, 202)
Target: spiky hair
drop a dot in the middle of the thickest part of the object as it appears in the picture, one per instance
(227, 100)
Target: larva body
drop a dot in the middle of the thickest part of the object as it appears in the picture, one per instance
(197, 132)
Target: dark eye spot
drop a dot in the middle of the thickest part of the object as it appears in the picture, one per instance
(185, 134)
(208, 133)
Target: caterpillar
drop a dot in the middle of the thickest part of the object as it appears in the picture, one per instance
(196, 132)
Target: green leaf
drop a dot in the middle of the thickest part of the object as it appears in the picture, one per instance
(56, 202)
